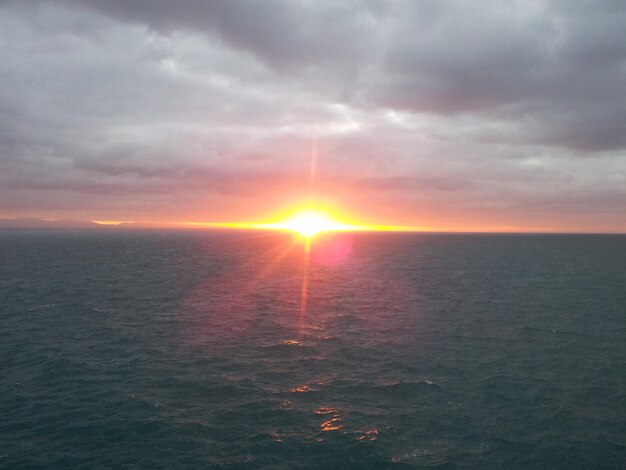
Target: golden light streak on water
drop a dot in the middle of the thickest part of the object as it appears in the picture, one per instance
(305, 281)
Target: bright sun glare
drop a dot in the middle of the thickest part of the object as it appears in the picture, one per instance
(309, 223)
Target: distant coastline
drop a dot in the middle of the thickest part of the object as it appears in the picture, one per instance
(42, 224)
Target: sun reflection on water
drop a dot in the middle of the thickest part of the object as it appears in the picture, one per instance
(333, 423)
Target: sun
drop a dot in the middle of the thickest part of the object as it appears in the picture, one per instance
(310, 222)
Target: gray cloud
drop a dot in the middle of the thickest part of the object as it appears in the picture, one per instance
(504, 104)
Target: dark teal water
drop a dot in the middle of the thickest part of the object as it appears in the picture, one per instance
(174, 350)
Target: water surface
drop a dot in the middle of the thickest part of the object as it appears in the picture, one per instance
(165, 349)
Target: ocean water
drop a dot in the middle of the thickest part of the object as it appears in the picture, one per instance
(196, 350)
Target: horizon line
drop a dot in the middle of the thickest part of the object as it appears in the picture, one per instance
(110, 225)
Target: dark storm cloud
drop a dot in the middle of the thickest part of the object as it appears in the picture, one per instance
(279, 32)
(560, 64)
(459, 102)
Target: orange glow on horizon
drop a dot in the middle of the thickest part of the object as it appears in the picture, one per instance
(111, 222)
(308, 222)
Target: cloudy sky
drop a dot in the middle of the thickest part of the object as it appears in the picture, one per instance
(494, 115)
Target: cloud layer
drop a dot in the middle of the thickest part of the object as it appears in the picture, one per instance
(435, 113)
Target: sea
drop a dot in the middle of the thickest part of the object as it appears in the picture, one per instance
(246, 350)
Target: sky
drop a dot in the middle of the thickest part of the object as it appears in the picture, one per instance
(447, 115)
